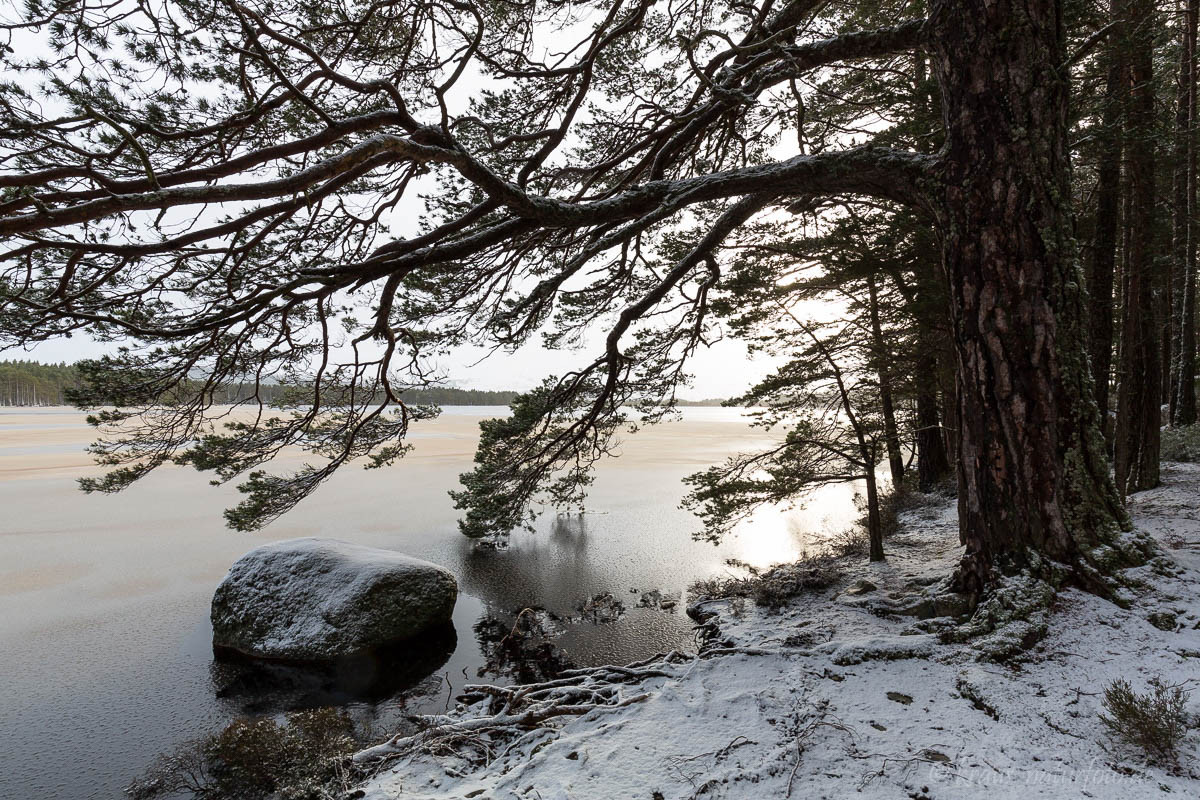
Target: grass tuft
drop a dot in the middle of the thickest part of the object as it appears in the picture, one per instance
(1155, 722)
(1181, 444)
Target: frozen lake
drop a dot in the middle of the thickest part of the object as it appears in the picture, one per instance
(104, 636)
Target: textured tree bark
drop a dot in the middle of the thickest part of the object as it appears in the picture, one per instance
(1184, 407)
(1102, 266)
(1135, 458)
(1032, 474)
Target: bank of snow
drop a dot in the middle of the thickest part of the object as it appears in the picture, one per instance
(829, 698)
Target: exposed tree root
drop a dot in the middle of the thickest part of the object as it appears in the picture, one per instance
(1012, 614)
(516, 711)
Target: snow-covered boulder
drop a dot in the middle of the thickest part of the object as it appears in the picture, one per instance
(321, 599)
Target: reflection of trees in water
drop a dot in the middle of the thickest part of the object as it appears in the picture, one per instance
(586, 573)
(554, 571)
(521, 647)
(570, 530)
(524, 646)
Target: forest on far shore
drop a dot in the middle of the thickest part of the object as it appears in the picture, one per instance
(30, 383)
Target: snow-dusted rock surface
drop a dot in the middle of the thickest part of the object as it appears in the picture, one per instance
(320, 599)
(834, 697)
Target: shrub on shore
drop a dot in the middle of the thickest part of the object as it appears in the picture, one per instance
(306, 757)
(1181, 444)
(1155, 722)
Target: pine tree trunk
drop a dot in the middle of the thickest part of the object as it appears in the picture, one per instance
(874, 522)
(1185, 380)
(1102, 266)
(1135, 459)
(1032, 474)
(932, 463)
(948, 383)
(891, 432)
(1180, 211)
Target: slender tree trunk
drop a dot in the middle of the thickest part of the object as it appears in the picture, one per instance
(1184, 408)
(866, 448)
(1032, 474)
(1120, 280)
(1102, 266)
(891, 432)
(948, 382)
(932, 463)
(1180, 207)
(1135, 459)
(874, 523)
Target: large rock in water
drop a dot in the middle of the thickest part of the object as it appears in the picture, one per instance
(322, 599)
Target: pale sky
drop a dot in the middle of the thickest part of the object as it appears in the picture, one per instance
(724, 370)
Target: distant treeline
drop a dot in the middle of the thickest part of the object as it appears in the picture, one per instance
(28, 383)
(457, 397)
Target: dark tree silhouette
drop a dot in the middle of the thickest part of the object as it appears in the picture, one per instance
(1139, 390)
(210, 183)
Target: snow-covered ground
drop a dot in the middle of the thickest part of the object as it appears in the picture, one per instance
(828, 698)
